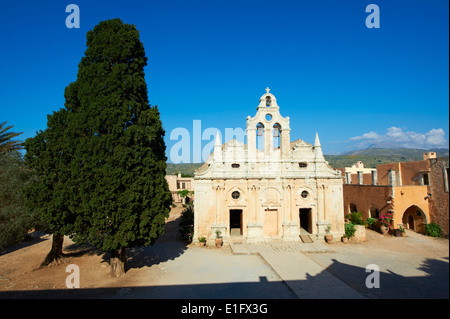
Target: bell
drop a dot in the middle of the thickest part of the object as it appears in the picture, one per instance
(276, 133)
(268, 101)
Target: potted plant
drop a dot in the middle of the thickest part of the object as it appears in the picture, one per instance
(349, 232)
(402, 231)
(385, 220)
(328, 236)
(219, 239)
(202, 241)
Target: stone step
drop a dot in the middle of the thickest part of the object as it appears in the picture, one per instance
(306, 238)
(239, 249)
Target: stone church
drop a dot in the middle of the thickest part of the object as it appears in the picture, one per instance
(268, 189)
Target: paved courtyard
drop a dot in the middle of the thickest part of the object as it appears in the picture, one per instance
(411, 267)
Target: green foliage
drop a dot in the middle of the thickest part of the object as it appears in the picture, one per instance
(6, 142)
(371, 222)
(433, 230)
(186, 224)
(15, 219)
(53, 192)
(349, 230)
(355, 218)
(119, 163)
(101, 161)
(186, 170)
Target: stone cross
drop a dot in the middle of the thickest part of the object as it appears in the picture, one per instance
(267, 89)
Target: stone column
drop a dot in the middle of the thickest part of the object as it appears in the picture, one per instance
(348, 177)
(391, 178)
(360, 178)
(251, 144)
(375, 177)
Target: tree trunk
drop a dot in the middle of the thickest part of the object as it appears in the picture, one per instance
(117, 262)
(56, 252)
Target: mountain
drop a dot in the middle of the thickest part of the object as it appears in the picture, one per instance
(411, 153)
(371, 157)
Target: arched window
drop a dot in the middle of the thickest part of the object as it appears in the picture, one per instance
(260, 136)
(374, 212)
(276, 135)
(268, 101)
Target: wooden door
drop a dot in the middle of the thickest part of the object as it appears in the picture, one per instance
(271, 222)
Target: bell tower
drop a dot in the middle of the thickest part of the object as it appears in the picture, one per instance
(270, 129)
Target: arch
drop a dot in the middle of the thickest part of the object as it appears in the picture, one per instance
(276, 135)
(414, 218)
(268, 101)
(374, 212)
(260, 130)
(271, 196)
(352, 208)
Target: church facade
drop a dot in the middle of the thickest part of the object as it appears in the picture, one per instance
(268, 189)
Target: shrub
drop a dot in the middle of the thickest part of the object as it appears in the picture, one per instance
(16, 219)
(186, 225)
(355, 218)
(349, 230)
(433, 230)
(371, 222)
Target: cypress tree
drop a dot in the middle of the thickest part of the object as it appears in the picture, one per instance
(118, 147)
(48, 156)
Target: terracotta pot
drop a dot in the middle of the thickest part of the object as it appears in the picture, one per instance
(403, 234)
(329, 239)
(384, 229)
(344, 239)
(219, 242)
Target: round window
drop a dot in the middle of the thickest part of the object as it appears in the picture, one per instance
(268, 117)
(305, 194)
(235, 195)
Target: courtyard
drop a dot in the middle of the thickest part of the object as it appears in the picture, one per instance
(412, 267)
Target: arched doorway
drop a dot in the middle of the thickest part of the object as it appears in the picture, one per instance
(374, 212)
(410, 222)
(352, 208)
(414, 219)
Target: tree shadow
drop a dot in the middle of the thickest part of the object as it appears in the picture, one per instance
(30, 240)
(167, 247)
(338, 281)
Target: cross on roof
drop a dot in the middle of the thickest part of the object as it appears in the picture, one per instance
(267, 89)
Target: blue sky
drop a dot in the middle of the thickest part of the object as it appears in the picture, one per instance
(211, 61)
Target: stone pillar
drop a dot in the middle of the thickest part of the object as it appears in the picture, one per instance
(285, 142)
(360, 178)
(375, 177)
(251, 144)
(268, 141)
(254, 229)
(391, 178)
(348, 177)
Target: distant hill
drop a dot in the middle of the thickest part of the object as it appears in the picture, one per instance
(186, 170)
(412, 153)
(371, 157)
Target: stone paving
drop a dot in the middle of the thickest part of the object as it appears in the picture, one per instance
(306, 278)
